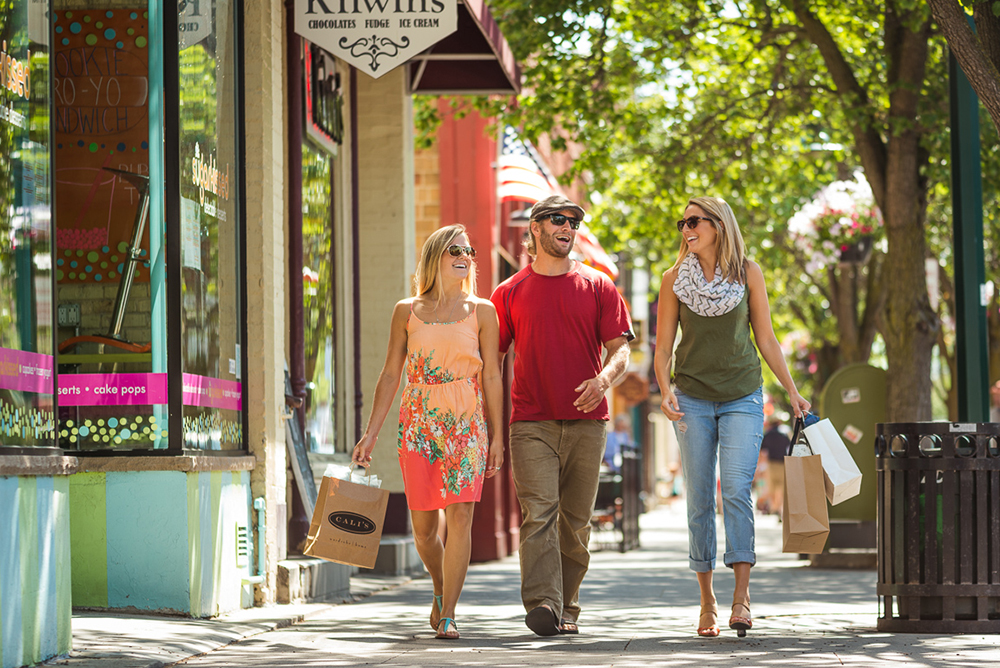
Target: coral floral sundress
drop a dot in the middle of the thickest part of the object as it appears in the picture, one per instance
(443, 440)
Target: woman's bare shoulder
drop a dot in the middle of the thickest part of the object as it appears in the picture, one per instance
(669, 276)
(482, 303)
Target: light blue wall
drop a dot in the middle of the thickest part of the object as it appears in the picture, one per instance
(35, 597)
(171, 541)
(148, 541)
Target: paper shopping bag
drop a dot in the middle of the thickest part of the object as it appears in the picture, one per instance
(347, 523)
(805, 520)
(842, 477)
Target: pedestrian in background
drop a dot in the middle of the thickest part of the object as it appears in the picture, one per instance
(558, 313)
(775, 445)
(995, 402)
(619, 441)
(718, 297)
(447, 338)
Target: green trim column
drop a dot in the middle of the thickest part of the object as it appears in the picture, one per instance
(967, 211)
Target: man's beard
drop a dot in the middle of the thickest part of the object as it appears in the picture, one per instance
(548, 243)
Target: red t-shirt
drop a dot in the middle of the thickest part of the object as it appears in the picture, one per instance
(557, 324)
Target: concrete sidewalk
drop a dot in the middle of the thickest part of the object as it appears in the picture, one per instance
(640, 609)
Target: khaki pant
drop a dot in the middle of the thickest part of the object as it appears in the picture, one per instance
(556, 465)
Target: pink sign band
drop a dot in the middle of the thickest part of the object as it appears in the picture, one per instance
(144, 389)
(112, 389)
(25, 372)
(210, 392)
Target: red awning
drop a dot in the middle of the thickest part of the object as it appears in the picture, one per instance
(473, 60)
(593, 253)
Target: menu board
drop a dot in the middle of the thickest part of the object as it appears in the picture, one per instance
(100, 68)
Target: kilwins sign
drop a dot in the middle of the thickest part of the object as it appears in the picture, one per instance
(375, 35)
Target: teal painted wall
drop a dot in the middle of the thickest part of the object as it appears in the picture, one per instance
(35, 594)
(159, 540)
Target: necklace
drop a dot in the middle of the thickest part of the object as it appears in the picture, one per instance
(437, 320)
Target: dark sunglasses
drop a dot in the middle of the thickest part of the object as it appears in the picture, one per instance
(455, 250)
(691, 222)
(559, 220)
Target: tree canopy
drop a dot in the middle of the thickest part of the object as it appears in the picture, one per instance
(762, 103)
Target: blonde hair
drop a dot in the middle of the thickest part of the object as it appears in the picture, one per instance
(428, 276)
(729, 247)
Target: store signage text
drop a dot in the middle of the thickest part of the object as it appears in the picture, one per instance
(25, 372)
(375, 35)
(99, 91)
(139, 389)
(207, 177)
(15, 75)
(112, 389)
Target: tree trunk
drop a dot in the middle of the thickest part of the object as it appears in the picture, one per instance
(968, 50)
(910, 325)
(843, 280)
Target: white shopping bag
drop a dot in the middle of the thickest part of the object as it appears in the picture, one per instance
(841, 475)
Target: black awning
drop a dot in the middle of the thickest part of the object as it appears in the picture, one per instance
(473, 60)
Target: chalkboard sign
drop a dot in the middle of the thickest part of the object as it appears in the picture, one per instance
(100, 70)
(298, 456)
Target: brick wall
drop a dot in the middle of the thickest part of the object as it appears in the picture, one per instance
(427, 194)
(97, 302)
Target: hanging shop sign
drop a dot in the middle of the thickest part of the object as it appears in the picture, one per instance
(375, 35)
(194, 22)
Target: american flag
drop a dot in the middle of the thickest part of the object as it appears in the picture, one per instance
(523, 176)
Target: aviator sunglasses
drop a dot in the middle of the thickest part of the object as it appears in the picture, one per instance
(691, 222)
(559, 220)
(455, 250)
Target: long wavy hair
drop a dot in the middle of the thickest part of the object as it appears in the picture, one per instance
(729, 247)
(428, 276)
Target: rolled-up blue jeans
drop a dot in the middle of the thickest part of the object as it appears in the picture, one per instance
(730, 432)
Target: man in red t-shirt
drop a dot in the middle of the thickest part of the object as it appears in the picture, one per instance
(558, 313)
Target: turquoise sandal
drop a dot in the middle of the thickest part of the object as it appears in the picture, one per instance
(445, 634)
(438, 606)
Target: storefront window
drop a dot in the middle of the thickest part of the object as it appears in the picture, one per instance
(26, 337)
(109, 260)
(317, 298)
(210, 244)
(149, 335)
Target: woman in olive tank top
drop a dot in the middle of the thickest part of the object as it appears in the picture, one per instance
(714, 396)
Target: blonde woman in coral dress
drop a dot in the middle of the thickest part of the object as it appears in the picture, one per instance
(449, 440)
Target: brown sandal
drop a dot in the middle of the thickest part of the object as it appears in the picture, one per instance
(708, 627)
(741, 621)
(568, 627)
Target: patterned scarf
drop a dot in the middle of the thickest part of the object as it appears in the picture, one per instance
(706, 299)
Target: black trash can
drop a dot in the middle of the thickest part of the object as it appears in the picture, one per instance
(938, 527)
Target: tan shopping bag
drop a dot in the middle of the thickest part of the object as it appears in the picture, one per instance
(347, 523)
(841, 475)
(805, 519)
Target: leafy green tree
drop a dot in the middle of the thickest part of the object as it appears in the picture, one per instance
(761, 102)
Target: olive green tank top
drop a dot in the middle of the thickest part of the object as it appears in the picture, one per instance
(716, 359)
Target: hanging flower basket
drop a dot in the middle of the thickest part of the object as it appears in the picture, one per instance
(856, 252)
(841, 225)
